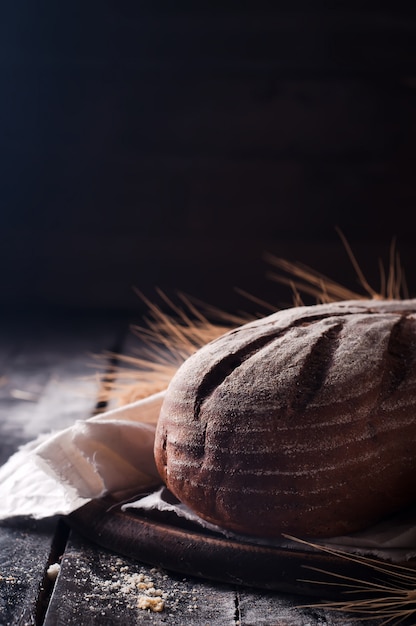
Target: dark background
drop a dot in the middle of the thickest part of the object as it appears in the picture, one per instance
(173, 145)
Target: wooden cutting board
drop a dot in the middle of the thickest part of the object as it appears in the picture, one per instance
(168, 541)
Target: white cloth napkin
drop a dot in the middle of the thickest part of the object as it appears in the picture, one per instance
(58, 473)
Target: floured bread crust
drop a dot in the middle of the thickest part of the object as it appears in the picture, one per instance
(302, 422)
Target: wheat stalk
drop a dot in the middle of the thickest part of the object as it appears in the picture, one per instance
(172, 332)
(166, 340)
(304, 279)
(391, 597)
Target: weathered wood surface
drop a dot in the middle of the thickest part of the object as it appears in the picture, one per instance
(48, 374)
(41, 368)
(25, 550)
(46, 384)
(95, 586)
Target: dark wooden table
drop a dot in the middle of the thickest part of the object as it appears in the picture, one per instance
(47, 383)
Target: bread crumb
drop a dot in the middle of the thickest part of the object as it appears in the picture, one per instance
(153, 603)
(53, 571)
(118, 585)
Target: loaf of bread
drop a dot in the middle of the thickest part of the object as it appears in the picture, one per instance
(303, 422)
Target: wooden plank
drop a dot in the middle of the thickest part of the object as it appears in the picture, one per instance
(48, 375)
(96, 586)
(27, 548)
(42, 364)
(264, 609)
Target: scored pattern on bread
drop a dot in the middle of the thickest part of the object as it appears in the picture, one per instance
(302, 422)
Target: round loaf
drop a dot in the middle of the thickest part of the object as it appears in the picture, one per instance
(303, 422)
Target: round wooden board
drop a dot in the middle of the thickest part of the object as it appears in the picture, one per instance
(174, 544)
